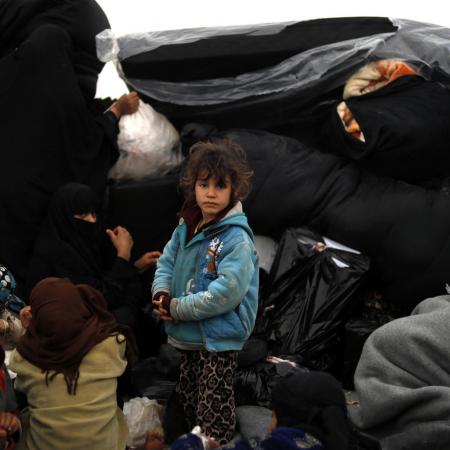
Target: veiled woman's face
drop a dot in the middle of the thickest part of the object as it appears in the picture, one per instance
(87, 217)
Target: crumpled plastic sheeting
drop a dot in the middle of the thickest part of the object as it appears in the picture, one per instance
(424, 43)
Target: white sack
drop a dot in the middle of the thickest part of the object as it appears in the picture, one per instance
(149, 145)
(142, 415)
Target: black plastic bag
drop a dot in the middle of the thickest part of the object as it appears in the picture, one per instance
(253, 385)
(312, 289)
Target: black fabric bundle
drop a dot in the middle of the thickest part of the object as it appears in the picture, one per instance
(406, 125)
(297, 112)
(314, 402)
(403, 229)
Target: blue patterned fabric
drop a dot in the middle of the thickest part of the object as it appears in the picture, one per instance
(281, 438)
(213, 279)
(7, 298)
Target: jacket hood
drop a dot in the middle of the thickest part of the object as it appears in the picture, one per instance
(235, 216)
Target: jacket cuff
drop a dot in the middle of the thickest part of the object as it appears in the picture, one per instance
(160, 292)
(173, 309)
(166, 301)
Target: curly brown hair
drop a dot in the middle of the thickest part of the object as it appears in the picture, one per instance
(219, 160)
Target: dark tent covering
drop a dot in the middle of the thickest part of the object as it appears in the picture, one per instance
(231, 55)
(404, 229)
(223, 56)
(51, 131)
(406, 125)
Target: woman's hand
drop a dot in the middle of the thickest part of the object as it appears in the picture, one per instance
(147, 260)
(122, 241)
(127, 104)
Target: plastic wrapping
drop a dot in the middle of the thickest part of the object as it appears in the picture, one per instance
(266, 248)
(312, 289)
(424, 43)
(142, 415)
(148, 144)
(110, 47)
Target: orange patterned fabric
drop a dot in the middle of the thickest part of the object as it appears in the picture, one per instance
(371, 77)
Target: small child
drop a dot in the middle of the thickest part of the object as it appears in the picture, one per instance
(9, 422)
(206, 285)
(10, 305)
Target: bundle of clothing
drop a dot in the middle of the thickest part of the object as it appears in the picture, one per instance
(393, 122)
(383, 218)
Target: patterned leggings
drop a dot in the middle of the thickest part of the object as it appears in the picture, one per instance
(206, 391)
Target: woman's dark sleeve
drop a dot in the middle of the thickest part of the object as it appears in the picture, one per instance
(122, 285)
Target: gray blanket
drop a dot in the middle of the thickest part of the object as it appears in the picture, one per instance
(402, 381)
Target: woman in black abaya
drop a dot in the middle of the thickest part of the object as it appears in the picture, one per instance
(70, 246)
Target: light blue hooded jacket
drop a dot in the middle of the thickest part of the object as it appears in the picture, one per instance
(213, 280)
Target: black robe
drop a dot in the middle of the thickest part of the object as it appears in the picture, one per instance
(72, 248)
(51, 131)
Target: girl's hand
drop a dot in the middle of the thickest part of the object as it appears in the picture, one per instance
(122, 241)
(147, 260)
(9, 424)
(160, 311)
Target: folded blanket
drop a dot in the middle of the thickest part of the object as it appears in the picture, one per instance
(403, 380)
(369, 78)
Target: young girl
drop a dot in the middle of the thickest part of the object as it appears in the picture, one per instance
(206, 284)
(9, 422)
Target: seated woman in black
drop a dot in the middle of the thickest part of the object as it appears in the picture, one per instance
(70, 246)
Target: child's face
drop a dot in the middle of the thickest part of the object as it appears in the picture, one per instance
(212, 197)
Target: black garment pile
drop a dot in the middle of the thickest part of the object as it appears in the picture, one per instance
(403, 229)
(406, 126)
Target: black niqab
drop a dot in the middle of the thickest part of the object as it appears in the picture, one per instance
(68, 246)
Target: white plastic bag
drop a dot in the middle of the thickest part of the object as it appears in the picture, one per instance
(266, 248)
(149, 145)
(142, 415)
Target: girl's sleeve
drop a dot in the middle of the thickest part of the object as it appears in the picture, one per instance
(162, 281)
(234, 275)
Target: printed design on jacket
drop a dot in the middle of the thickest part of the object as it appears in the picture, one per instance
(190, 285)
(212, 255)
